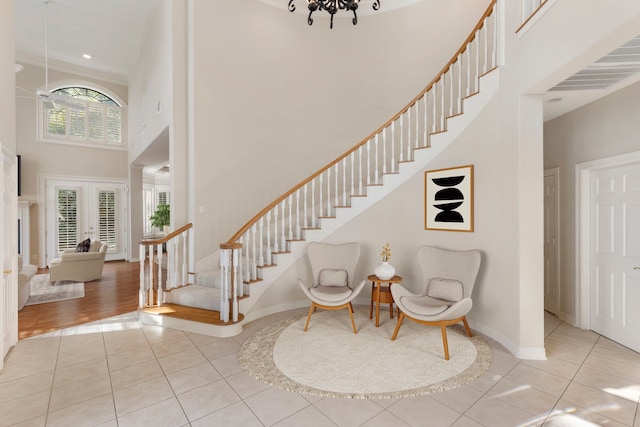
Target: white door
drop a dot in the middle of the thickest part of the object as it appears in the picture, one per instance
(551, 251)
(76, 211)
(615, 254)
(8, 254)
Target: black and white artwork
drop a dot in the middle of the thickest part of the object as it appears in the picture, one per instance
(449, 199)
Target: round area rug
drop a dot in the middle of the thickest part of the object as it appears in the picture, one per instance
(330, 360)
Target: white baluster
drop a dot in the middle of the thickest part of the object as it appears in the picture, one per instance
(443, 109)
(494, 40)
(313, 201)
(417, 132)
(353, 182)
(369, 162)
(224, 272)
(320, 193)
(451, 91)
(360, 171)
(384, 151)
(159, 286)
(245, 266)
(393, 147)
(269, 254)
(276, 247)
(185, 256)
(336, 179)
(141, 293)
(329, 192)
(150, 298)
(298, 231)
(236, 284)
(254, 261)
(376, 148)
(426, 139)
(344, 181)
(304, 207)
(240, 289)
(459, 103)
(290, 217)
(476, 76)
(260, 240)
(406, 114)
(485, 38)
(283, 242)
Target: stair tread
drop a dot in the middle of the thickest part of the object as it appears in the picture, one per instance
(194, 314)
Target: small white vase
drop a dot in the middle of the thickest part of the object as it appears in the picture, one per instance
(385, 271)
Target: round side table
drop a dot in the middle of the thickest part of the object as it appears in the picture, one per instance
(381, 295)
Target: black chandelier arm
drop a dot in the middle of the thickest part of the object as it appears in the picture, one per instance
(332, 7)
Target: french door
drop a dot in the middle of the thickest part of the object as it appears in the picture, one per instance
(76, 211)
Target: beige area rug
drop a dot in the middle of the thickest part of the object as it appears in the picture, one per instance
(42, 290)
(330, 360)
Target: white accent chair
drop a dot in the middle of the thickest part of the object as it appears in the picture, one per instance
(79, 266)
(333, 268)
(448, 280)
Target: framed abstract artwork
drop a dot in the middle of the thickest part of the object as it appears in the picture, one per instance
(448, 199)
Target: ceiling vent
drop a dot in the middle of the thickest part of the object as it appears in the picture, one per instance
(609, 70)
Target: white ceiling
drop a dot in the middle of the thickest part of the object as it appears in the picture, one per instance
(111, 31)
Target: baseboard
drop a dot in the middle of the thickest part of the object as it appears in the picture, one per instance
(530, 353)
(567, 318)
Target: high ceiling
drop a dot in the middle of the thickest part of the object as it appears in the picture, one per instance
(112, 32)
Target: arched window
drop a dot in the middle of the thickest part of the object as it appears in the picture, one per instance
(81, 115)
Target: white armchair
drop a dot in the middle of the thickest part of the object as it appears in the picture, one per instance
(79, 266)
(448, 280)
(333, 268)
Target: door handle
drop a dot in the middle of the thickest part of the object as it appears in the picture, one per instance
(7, 272)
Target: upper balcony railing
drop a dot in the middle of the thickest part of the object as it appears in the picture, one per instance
(530, 9)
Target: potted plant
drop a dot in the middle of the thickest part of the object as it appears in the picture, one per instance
(161, 218)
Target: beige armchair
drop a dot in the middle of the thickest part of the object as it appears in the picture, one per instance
(333, 268)
(79, 266)
(448, 278)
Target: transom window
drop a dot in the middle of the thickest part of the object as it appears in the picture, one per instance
(80, 115)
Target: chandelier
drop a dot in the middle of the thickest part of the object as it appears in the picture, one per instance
(332, 7)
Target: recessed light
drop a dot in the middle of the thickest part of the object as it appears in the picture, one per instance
(553, 100)
(86, 56)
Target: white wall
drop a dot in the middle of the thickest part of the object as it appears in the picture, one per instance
(604, 128)
(7, 77)
(150, 84)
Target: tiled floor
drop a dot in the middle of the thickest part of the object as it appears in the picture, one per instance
(119, 373)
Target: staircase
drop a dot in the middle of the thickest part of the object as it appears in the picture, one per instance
(231, 280)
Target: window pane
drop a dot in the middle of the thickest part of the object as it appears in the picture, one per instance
(67, 219)
(107, 220)
(114, 124)
(96, 121)
(57, 121)
(77, 126)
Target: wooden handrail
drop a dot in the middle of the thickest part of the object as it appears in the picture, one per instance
(168, 237)
(452, 61)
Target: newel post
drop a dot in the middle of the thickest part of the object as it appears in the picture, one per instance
(231, 280)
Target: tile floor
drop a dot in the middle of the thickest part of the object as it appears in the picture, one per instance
(117, 372)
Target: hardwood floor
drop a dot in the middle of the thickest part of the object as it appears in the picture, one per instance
(115, 293)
